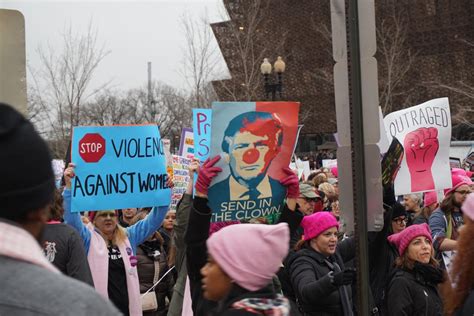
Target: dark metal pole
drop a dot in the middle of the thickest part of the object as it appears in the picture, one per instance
(358, 160)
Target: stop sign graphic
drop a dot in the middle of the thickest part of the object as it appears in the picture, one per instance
(92, 147)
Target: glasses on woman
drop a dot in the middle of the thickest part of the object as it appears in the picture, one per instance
(400, 220)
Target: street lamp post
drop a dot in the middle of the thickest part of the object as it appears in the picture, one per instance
(269, 85)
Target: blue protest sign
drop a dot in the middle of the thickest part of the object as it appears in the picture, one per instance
(118, 167)
(202, 133)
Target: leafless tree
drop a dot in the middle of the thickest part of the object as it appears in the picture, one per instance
(245, 34)
(61, 86)
(396, 60)
(200, 59)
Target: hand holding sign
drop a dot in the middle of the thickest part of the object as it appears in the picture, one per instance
(291, 183)
(421, 146)
(206, 173)
(69, 174)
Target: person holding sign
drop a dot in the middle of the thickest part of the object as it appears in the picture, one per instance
(111, 250)
(242, 259)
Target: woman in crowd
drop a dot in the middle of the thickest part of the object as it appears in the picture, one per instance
(413, 288)
(412, 203)
(166, 229)
(239, 271)
(111, 250)
(459, 296)
(430, 203)
(63, 246)
(382, 253)
(447, 219)
(320, 279)
(152, 266)
(329, 195)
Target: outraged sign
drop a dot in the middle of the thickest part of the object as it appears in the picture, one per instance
(202, 133)
(424, 131)
(256, 141)
(180, 179)
(186, 144)
(118, 167)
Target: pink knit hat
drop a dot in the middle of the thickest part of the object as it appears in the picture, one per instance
(468, 206)
(334, 171)
(458, 180)
(430, 198)
(250, 254)
(317, 223)
(402, 239)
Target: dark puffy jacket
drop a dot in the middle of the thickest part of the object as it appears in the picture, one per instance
(312, 284)
(414, 292)
(146, 273)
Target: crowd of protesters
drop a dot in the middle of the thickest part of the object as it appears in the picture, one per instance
(154, 261)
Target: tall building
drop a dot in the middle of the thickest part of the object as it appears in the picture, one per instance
(425, 51)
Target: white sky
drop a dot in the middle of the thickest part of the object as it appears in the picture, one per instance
(135, 32)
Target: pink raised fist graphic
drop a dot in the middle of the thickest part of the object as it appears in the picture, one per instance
(421, 147)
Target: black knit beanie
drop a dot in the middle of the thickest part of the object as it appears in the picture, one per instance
(26, 175)
(398, 210)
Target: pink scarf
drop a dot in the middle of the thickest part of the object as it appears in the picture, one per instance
(17, 243)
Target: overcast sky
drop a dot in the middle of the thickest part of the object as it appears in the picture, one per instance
(135, 32)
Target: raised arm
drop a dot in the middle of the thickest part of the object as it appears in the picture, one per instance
(74, 219)
(143, 229)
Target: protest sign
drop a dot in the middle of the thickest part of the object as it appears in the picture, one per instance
(118, 167)
(391, 163)
(186, 144)
(58, 169)
(255, 141)
(424, 131)
(202, 133)
(180, 179)
(329, 163)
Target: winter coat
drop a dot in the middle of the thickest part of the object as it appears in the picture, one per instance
(309, 271)
(182, 215)
(382, 255)
(146, 273)
(98, 254)
(414, 292)
(467, 309)
(239, 301)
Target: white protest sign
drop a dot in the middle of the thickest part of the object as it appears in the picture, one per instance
(424, 131)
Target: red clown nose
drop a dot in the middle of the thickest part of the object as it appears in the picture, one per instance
(250, 156)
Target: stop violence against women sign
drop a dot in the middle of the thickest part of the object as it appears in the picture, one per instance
(118, 167)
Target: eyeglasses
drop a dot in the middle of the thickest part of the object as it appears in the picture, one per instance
(400, 221)
(464, 192)
(112, 215)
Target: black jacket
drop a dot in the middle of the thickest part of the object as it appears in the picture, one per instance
(196, 257)
(312, 284)
(414, 292)
(382, 255)
(146, 273)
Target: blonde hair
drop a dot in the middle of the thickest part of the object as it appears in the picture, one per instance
(120, 234)
(328, 190)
